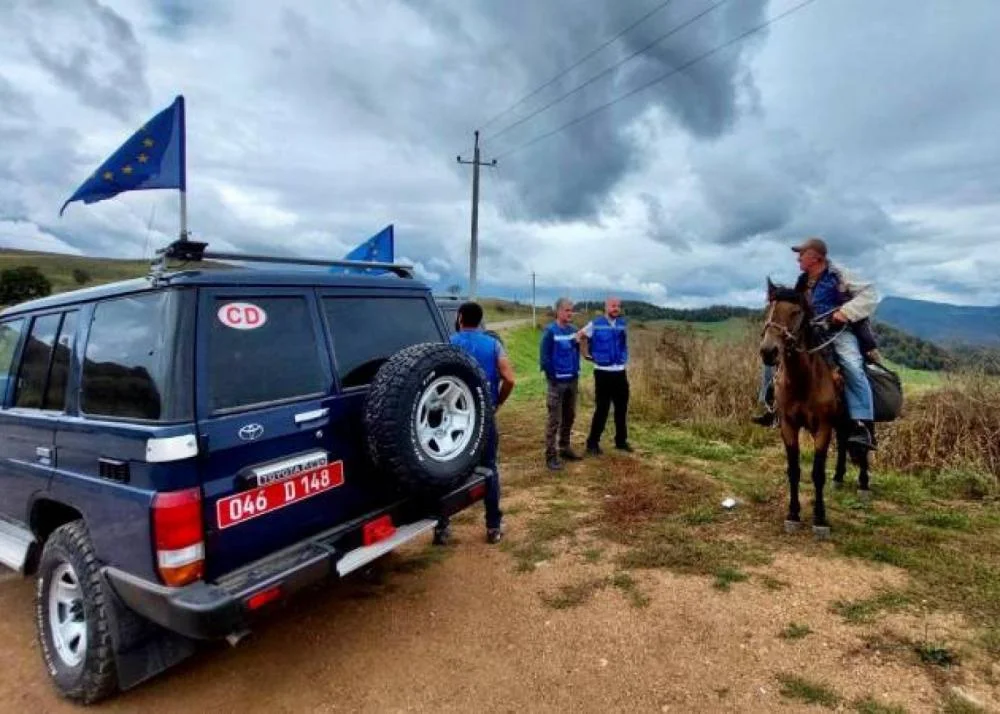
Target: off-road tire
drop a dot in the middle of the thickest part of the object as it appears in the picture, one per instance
(96, 676)
(391, 417)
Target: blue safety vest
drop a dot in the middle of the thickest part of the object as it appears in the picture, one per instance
(486, 351)
(609, 344)
(560, 358)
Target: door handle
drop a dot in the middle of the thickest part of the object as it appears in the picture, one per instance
(44, 454)
(303, 417)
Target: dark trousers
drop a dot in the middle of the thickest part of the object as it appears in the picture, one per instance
(561, 403)
(610, 388)
(491, 501)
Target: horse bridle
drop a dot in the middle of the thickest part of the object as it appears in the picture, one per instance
(792, 339)
(789, 335)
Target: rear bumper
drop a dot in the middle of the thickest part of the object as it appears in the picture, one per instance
(214, 610)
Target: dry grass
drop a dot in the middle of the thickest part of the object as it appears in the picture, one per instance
(954, 428)
(683, 376)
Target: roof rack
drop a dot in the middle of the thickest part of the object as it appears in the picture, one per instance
(193, 251)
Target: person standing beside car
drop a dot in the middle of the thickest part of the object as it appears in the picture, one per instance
(493, 360)
(605, 341)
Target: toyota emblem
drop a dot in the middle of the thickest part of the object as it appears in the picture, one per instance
(251, 432)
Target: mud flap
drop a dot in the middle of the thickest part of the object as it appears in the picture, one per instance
(142, 648)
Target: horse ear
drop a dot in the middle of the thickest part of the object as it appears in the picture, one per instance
(771, 289)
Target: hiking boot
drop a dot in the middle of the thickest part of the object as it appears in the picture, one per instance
(442, 536)
(569, 455)
(860, 436)
(626, 447)
(594, 450)
(554, 464)
(494, 535)
(768, 418)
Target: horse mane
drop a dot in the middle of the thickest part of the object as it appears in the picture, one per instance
(785, 294)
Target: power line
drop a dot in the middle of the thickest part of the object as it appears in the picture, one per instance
(580, 61)
(661, 78)
(608, 71)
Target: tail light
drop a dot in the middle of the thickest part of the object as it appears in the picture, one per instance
(178, 536)
(377, 530)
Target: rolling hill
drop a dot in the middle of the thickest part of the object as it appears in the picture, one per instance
(942, 323)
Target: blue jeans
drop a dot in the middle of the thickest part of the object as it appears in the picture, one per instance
(491, 501)
(860, 404)
(858, 390)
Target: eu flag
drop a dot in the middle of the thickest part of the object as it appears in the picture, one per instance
(380, 248)
(153, 157)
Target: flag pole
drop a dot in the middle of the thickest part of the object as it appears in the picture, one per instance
(183, 186)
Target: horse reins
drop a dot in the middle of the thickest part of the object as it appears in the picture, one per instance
(791, 337)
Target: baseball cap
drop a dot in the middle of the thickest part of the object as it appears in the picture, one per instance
(816, 244)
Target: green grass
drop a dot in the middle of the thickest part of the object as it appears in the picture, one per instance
(795, 631)
(575, 594)
(630, 588)
(58, 268)
(935, 654)
(916, 380)
(870, 705)
(867, 610)
(725, 577)
(803, 690)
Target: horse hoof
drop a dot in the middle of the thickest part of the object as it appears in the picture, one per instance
(793, 526)
(864, 495)
(821, 532)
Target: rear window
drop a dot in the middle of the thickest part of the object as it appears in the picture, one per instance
(268, 352)
(367, 330)
(34, 374)
(138, 358)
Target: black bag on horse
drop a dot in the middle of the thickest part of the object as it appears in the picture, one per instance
(887, 391)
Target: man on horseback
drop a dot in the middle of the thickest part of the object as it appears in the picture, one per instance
(847, 303)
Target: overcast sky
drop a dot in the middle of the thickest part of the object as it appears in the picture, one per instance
(310, 125)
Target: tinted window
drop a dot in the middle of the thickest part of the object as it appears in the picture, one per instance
(36, 360)
(10, 334)
(137, 361)
(368, 330)
(275, 360)
(55, 395)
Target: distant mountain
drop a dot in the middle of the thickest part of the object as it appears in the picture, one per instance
(941, 323)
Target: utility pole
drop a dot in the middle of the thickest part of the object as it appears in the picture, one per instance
(474, 248)
(534, 323)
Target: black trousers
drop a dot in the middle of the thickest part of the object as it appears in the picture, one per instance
(610, 388)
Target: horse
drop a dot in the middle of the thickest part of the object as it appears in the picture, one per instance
(807, 396)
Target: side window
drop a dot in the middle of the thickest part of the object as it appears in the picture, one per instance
(262, 350)
(366, 331)
(36, 361)
(55, 394)
(136, 365)
(10, 335)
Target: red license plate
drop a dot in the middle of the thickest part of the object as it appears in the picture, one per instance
(233, 510)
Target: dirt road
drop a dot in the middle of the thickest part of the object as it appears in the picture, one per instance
(463, 631)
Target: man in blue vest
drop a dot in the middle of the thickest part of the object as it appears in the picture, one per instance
(847, 302)
(607, 340)
(490, 355)
(559, 359)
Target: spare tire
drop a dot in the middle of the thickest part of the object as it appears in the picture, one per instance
(426, 417)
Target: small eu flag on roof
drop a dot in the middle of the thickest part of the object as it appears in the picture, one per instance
(151, 158)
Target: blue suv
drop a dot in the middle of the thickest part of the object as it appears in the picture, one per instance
(179, 452)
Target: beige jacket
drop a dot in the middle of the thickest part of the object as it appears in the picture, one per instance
(862, 299)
